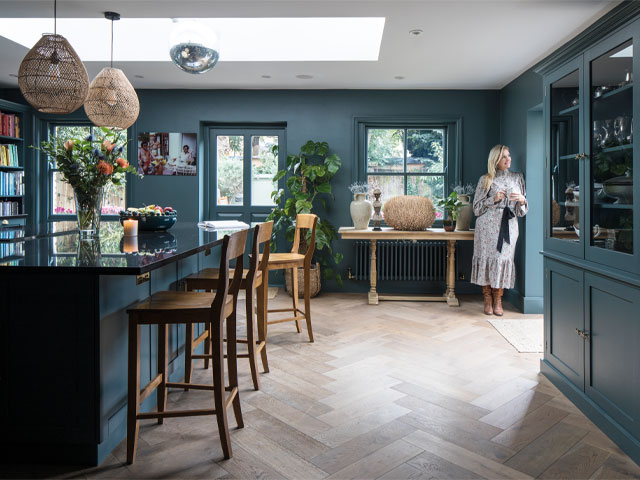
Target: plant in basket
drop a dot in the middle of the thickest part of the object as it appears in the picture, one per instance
(308, 182)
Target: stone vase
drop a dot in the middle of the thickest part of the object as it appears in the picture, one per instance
(463, 221)
(361, 211)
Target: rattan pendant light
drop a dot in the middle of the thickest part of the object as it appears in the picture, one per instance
(112, 101)
(52, 78)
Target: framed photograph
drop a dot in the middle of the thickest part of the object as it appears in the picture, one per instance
(161, 153)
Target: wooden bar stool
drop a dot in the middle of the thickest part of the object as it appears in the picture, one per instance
(207, 279)
(164, 308)
(293, 261)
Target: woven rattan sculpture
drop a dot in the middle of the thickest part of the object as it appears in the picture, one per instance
(409, 212)
(112, 101)
(52, 78)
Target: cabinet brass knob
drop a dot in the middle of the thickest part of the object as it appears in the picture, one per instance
(582, 333)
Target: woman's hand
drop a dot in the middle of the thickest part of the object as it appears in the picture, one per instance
(517, 197)
(501, 195)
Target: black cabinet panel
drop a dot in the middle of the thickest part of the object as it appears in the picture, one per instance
(564, 349)
(613, 350)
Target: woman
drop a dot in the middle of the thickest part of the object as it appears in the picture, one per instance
(498, 200)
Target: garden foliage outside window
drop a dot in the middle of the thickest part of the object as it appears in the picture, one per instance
(407, 161)
(62, 201)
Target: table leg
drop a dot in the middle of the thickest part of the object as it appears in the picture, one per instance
(450, 293)
(373, 275)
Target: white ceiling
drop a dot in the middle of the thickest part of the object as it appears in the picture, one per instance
(470, 44)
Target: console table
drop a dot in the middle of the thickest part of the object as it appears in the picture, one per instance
(387, 233)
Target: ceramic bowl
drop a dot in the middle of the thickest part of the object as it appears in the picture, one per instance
(153, 222)
(620, 188)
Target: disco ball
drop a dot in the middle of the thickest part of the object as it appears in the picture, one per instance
(193, 47)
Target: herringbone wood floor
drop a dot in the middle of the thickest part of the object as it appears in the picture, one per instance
(398, 390)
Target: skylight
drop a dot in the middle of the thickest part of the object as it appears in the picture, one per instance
(241, 39)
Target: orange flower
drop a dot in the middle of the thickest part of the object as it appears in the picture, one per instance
(108, 146)
(68, 145)
(122, 162)
(104, 167)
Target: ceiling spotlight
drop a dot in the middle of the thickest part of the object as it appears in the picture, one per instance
(304, 77)
(266, 76)
(399, 77)
(193, 46)
(416, 32)
(139, 76)
(13, 75)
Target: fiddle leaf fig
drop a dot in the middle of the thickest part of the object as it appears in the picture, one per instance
(309, 175)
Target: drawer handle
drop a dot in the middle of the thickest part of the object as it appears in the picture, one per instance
(582, 333)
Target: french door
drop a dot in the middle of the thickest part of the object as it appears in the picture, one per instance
(242, 164)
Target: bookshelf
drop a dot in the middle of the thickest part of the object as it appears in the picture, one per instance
(12, 162)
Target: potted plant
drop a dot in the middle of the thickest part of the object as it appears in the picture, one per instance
(451, 205)
(463, 220)
(308, 182)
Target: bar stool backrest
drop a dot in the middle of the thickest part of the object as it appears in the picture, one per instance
(232, 248)
(261, 235)
(307, 221)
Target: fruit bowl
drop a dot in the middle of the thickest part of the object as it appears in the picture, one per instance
(620, 188)
(151, 218)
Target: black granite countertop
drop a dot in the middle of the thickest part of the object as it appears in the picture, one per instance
(56, 247)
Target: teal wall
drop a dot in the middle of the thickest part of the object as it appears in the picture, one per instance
(488, 117)
(319, 115)
(521, 129)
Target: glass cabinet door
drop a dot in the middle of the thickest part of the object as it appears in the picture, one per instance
(566, 155)
(610, 175)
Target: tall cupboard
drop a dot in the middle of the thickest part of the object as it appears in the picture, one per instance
(592, 231)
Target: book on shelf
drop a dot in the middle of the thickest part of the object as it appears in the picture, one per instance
(9, 209)
(11, 183)
(9, 155)
(9, 125)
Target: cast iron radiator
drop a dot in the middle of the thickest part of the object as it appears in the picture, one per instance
(402, 260)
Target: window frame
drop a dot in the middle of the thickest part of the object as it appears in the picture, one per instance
(48, 128)
(452, 126)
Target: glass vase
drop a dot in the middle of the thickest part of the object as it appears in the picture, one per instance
(88, 211)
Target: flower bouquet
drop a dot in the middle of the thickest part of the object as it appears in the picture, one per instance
(88, 164)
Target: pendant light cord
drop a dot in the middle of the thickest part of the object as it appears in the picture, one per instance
(54, 16)
(112, 43)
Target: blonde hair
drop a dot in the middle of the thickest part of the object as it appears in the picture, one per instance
(492, 164)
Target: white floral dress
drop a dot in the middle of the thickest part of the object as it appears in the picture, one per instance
(490, 266)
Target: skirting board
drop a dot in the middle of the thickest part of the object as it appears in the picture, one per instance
(524, 304)
(620, 436)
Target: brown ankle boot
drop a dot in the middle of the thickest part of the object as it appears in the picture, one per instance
(486, 293)
(497, 301)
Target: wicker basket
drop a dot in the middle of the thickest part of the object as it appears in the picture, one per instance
(314, 276)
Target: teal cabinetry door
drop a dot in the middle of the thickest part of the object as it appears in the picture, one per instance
(612, 349)
(564, 315)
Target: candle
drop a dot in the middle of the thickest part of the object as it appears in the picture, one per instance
(130, 228)
(130, 244)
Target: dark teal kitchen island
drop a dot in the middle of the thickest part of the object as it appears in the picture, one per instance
(63, 333)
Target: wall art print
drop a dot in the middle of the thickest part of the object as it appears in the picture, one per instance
(161, 153)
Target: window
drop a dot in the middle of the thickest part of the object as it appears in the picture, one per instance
(409, 155)
(62, 202)
(230, 168)
(407, 161)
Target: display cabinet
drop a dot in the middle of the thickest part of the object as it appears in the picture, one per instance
(592, 232)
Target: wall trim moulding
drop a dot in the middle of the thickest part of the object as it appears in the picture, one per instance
(614, 20)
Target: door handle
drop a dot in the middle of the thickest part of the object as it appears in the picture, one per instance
(582, 333)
